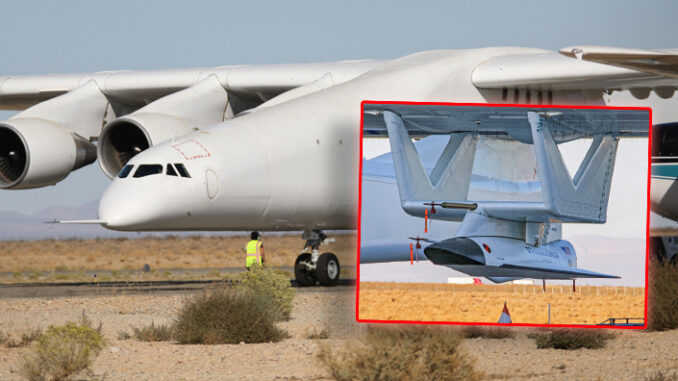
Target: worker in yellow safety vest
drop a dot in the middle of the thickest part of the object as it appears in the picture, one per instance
(255, 251)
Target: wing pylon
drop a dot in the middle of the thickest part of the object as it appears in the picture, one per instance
(583, 198)
(450, 177)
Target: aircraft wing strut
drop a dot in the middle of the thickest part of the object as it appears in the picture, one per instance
(583, 198)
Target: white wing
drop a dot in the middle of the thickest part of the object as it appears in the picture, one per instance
(591, 69)
(138, 88)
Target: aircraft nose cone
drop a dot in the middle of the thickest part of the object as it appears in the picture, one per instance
(110, 207)
(125, 209)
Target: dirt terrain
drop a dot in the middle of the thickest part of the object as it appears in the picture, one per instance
(663, 232)
(630, 356)
(484, 303)
(133, 360)
(50, 260)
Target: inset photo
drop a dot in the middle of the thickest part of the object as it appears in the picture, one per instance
(504, 214)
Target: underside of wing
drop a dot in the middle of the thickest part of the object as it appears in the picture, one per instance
(659, 62)
(580, 69)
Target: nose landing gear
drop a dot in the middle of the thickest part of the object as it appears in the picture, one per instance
(311, 266)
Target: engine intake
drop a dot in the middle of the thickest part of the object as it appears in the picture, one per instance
(12, 156)
(36, 152)
(119, 142)
(455, 251)
(125, 137)
(198, 106)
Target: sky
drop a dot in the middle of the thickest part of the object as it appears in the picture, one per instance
(84, 36)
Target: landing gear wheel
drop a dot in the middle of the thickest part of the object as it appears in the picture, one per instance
(302, 274)
(327, 269)
(657, 248)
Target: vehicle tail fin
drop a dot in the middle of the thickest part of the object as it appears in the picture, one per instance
(586, 195)
(449, 179)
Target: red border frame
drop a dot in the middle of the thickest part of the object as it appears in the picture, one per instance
(647, 215)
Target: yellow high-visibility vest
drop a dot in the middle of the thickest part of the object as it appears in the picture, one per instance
(253, 253)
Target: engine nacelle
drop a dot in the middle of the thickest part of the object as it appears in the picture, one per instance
(127, 136)
(37, 152)
(198, 106)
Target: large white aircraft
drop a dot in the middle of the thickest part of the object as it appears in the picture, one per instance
(271, 147)
(509, 208)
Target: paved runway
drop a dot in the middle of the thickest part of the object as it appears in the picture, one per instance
(41, 290)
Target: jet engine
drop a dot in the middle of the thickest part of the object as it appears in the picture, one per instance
(201, 105)
(127, 136)
(41, 145)
(37, 152)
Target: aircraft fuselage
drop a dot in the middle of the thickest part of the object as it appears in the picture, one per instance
(292, 165)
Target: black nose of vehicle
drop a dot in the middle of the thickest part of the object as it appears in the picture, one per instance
(455, 251)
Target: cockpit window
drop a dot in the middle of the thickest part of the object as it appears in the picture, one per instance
(182, 170)
(170, 170)
(125, 171)
(148, 169)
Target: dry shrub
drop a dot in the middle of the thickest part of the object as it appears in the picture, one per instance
(153, 332)
(401, 353)
(30, 336)
(658, 375)
(63, 352)
(26, 338)
(4, 338)
(227, 315)
(319, 335)
(571, 338)
(273, 284)
(472, 332)
(663, 296)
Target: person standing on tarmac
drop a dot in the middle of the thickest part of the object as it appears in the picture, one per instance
(255, 251)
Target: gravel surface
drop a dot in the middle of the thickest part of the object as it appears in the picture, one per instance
(130, 359)
(633, 355)
(630, 356)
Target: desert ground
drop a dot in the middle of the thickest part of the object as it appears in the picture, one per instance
(632, 355)
(662, 232)
(484, 303)
(115, 259)
(293, 358)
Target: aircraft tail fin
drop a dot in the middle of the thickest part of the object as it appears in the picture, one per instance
(585, 196)
(449, 179)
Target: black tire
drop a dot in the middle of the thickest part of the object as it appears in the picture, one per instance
(303, 276)
(327, 269)
(657, 249)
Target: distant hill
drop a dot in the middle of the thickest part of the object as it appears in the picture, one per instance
(17, 226)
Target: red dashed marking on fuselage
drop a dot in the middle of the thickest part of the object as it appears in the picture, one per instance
(196, 155)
